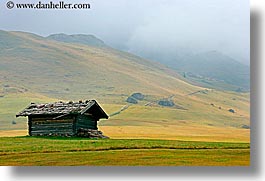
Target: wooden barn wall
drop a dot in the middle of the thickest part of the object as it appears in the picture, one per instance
(84, 121)
(48, 125)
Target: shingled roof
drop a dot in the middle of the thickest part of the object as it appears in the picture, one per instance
(62, 108)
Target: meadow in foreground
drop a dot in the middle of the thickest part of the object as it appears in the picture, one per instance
(76, 151)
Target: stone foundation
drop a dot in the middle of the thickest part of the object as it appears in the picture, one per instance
(82, 132)
(90, 133)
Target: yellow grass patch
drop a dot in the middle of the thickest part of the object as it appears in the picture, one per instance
(187, 133)
(182, 132)
(11, 133)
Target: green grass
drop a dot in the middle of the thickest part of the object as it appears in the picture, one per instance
(11, 104)
(80, 151)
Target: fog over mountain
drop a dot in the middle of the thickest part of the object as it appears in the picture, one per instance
(149, 28)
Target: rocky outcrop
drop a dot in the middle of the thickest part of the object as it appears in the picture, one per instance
(131, 100)
(168, 103)
(138, 96)
(135, 97)
(232, 110)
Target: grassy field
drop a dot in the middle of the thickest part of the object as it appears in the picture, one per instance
(77, 151)
(200, 122)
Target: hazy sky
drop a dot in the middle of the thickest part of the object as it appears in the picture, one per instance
(145, 25)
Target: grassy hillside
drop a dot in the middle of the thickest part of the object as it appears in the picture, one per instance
(12, 103)
(38, 69)
(74, 71)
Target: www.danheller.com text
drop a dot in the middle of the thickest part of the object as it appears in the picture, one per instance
(48, 5)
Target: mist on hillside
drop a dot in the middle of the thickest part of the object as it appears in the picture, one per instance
(156, 29)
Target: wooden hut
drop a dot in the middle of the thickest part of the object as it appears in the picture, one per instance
(63, 119)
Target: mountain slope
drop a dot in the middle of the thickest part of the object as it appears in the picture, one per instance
(80, 39)
(211, 69)
(216, 66)
(38, 68)
(73, 70)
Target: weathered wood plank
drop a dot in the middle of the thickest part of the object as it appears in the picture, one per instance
(51, 128)
(52, 131)
(52, 121)
(53, 125)
(85, 121)
(85, 125)
(78, 126)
